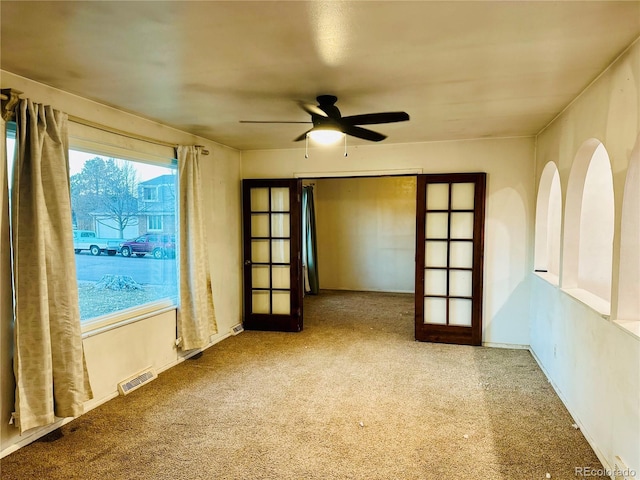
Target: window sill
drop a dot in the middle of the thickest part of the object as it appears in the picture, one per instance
(592, 301)
(632, 327)
(548, 277)
(105, 323)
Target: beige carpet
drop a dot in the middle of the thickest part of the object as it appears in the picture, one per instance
(353, 396)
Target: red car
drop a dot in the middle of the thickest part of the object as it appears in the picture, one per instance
(158, 245)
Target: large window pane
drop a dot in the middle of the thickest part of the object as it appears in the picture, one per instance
(125, 224)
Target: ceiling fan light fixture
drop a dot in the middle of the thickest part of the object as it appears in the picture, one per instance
(325, 135)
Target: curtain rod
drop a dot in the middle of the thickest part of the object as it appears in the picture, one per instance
(11, 97)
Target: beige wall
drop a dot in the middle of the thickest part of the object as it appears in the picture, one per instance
(509, 216)
(117, 354)
(591, 360)
(366, 233)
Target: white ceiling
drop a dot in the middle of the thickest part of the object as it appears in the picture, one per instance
(460, 69)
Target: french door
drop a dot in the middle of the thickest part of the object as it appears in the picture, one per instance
(272, 255)
(449, 258)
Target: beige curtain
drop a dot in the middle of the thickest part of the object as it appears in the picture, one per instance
(196, 315)
(49, 366)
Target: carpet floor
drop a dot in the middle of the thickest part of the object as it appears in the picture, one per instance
(352, 396)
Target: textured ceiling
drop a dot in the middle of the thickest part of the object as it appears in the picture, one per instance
(460, 69)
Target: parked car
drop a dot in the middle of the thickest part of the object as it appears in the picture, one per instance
(158, 245)
(87, 240)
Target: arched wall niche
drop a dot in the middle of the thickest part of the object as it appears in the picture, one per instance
(629, 275)
(548, 223)
(589, 225)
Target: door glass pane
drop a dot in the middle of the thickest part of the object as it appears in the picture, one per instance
(280, 225)
(280, 277)
(437, 225)
(280, 251)
(462, 196)
(260, 251)
(435, 310)
(460, 283)
(460, 312)
(260, 225)
(259, 199)
(435, 282)
(462, 225)
(281, 303)
(280, 199)
(461, 254)
(260, 301)
(438, 196)
(260, 276)
(435, 254)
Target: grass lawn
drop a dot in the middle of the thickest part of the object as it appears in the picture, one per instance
(96, 302)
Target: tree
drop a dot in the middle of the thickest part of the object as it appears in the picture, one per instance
(105, 191)
(86, 189)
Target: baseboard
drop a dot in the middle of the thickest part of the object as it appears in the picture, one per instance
(605, 462)
(32, 437)
(514, 346)
(191, 353)
(94, 403)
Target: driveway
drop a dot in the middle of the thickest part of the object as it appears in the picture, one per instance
(144, 270)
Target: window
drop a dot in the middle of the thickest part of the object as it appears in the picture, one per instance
(119, 278)
(154, 223)
(150, 194)
(116, 271)
(588, 230)
(11, 146)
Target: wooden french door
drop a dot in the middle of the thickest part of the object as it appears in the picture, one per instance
(272, 255)
(449, 257)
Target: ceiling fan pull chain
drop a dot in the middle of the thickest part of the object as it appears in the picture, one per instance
(306, 147)
(345, 145)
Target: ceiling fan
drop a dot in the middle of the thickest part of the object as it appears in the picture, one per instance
(326, 117)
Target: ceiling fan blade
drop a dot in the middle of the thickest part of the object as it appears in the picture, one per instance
(312, 109)
(302, 137)
(374, 118)
(363, 133)
(268, 121)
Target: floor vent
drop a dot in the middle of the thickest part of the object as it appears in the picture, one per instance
(237, 329)
(129, 385)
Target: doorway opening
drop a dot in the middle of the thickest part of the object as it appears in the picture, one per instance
(420, 235)
(365, 236)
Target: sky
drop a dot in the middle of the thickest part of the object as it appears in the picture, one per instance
(77, 160)
(145, 171)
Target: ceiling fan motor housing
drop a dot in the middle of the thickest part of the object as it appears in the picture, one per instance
(327, 116)
(327, 104)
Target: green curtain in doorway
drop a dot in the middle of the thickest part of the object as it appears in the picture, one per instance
(309, 250)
